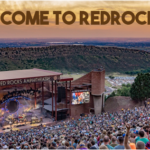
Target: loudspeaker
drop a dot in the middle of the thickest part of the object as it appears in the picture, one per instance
(63, 116)
(61, 93)
(59, 117)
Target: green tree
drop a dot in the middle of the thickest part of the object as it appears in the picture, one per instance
(111, 95)
(140, 89)
(123, 91)
(111, 77)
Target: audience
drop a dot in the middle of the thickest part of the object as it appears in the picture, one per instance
(124, 129)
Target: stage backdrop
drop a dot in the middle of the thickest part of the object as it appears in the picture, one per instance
(18, 100)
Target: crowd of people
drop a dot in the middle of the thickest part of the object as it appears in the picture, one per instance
(125, 129)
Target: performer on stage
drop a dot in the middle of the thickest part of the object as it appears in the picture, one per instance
(1, 121)
(10, 123)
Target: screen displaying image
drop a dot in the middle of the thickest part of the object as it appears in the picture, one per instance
(80, 97)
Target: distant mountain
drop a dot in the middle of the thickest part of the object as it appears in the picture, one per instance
(75, 58)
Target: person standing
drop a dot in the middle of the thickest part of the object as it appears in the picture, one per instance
(145, 104)
(106, 142)
(114, 141)
(120, 141)
(142, 138)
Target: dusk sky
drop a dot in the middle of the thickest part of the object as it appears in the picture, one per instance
(75, 30)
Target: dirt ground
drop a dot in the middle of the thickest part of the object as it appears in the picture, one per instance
(116, 103)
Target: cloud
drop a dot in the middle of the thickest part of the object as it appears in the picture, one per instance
(69, 4)
(74, 30)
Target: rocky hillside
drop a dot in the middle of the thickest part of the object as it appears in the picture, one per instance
(74, 58)
(119, 102)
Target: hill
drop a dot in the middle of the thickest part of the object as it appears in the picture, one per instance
(74, 58)
(119, 102)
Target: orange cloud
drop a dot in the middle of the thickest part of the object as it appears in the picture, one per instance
(75, 30)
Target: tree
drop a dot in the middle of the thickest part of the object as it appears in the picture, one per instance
(111, 77)
(124, 90)
(140, 89)
(111, 95)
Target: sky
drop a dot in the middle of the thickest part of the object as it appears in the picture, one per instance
(75, 30)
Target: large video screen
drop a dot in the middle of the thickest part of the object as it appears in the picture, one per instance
(80, 97)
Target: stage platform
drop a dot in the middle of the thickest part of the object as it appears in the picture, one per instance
(35, 113)
(48, 105)
(62, 113)
(46, 121)
(49, 108)
(39, 112)
(49, 101)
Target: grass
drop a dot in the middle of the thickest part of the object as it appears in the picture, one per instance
(107, 83)
(73, 75)
(117, 74)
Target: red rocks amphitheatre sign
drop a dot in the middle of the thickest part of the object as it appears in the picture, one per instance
(27, 76)
(24, 81)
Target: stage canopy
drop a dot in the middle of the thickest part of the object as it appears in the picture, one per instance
(27, 76)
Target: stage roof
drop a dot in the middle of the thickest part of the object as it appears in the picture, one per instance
(65, 79)
(28, 73)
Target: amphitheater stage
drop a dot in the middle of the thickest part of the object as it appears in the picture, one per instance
(32, 119)
(23, 126)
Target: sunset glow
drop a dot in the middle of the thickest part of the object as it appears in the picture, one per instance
(75, 30)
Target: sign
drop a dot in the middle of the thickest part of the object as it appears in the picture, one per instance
(76, 91)
(28, 80)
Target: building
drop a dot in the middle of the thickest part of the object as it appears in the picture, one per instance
(94, 83)
(61, 97)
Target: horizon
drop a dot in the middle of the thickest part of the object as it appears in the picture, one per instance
(73, 40)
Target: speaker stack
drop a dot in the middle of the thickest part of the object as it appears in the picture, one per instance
(61, 93)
